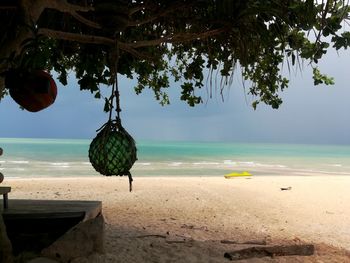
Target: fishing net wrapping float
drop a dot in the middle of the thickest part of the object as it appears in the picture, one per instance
(113, 151)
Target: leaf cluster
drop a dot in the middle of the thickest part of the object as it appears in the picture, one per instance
(182, 39)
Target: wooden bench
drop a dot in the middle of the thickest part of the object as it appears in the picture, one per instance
(4, 190)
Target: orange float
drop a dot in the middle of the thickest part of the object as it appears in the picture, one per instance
(34, 90)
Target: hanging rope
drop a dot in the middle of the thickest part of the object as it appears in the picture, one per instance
(114, 57)
(113, 151)
(116, 94)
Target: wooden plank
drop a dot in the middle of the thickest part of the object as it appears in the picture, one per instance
(6, 201)
(19, 208)
(35, 224)
(5, 189)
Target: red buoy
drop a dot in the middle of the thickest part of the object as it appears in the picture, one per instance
(34, 90)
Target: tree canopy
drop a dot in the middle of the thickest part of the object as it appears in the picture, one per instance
(155, 40)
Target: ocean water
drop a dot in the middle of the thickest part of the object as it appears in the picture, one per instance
(28, 158)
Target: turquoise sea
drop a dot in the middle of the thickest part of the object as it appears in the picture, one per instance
(27, 158)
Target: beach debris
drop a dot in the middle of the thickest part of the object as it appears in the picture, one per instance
(249, 242)
(296, 239)
(271, 251)
(151, 235)
(286, 188)
(175, 241)
(204, 228)
(179, 239)
(169, 239)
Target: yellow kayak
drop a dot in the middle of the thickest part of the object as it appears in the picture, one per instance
(232, 175)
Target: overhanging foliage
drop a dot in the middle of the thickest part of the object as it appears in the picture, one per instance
(158, 39)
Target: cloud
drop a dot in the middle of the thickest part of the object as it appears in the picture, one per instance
(308, 115)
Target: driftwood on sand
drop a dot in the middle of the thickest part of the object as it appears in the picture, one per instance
(249, 242)
(271, 251)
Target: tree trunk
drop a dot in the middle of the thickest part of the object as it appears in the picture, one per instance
(5, 244)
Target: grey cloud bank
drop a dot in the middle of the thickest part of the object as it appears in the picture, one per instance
(308, 115)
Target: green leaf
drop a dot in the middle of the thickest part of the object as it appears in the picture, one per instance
(321, 78)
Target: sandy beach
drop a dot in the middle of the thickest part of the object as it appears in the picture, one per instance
(186, 219)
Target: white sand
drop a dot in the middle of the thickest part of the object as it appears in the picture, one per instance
(200, 212)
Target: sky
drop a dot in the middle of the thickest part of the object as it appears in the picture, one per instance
(309, 114)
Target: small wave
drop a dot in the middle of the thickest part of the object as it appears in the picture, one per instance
(247, 163)
(16, 169)
(336, 165)
(205, 163)
(144, 164)
(281, 166)
(2, 161)
(229, 162)
(19, 162)
(60, 164)
(271, 165)
(12, 169)
(175, 164)
(311, 171)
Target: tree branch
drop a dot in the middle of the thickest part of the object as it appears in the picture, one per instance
(91, 40)
(128, 47)
(12, 47)
(162, 13)
(85, 21)
(136, 9)
(65, 7)
(181, 37)
(32, 10)
(134, 52)
(76, 37)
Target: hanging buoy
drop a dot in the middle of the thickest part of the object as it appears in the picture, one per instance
(113, 151)
(34, 90)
